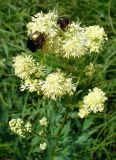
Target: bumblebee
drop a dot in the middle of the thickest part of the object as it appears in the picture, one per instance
(63, 22)
(35, 41)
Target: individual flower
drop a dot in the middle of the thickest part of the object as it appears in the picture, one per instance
(93, 102)
(43, 146)
(19, 127)
(96, 37)
(56, 85)
(74, 42)
(43, 122)
(25, 67)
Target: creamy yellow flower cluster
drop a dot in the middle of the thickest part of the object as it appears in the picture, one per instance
(44, 23)
(44, 123)
(93, 102)
(29, 71)
(70, 41)
(19, 127)
(26, 67)
(55, 84)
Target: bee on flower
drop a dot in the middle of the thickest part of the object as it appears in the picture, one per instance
(58, 35)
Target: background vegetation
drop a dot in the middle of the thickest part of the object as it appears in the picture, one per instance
(95, 138)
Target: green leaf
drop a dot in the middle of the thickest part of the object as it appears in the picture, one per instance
(82, 139)
(66, 128)
(4, 116)
(87, 123)
(58, 158)
(73, 114)
(35, 141)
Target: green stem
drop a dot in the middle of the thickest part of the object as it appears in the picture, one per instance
(38, 135)
(109, 17)
(25, 103)
(58, 136)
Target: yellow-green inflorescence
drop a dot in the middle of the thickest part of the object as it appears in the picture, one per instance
(57, 85)
(26, 67)
(19, 127)
(93, 102)
(29, 71)
(73, 41)
(43, 146)
(43, 122)
(70, 41)
(96, 37)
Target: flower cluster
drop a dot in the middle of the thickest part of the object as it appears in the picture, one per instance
(31, 84)
(96, 36)
(44, 23)
(74, 43)
(83, 112)
(55, 35)
(26, 67)
(93, 102)
(64, 38)
(29, 71)
(43, 146)
(43, 122)
(56, 85)
(19, 127)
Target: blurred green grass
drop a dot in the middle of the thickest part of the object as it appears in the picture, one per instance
(13, 18)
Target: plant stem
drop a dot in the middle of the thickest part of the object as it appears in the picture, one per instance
(58, 136)
(25, 103)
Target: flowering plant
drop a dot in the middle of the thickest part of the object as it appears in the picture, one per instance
(50, 70)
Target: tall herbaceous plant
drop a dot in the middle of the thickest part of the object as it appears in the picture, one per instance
(48, 70)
